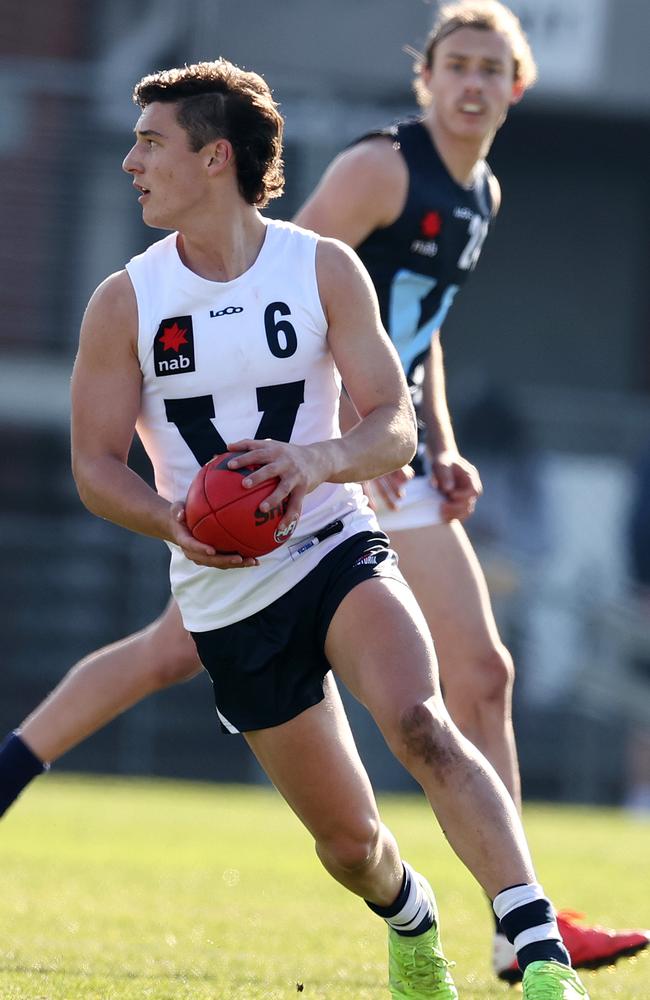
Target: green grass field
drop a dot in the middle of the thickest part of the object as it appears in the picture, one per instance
(150, 889)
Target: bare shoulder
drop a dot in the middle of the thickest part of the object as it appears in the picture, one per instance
(375, 167)
(112, 305)
(377, 157)
(341, 275)
(363, 189)
(337, 262)
(114, 293)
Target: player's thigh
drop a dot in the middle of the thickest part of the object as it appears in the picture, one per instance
(313, 762)
(170, 649)
(379, 644)
(442, 569)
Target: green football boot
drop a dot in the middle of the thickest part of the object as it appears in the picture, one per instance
(550, 981)
(417, 968)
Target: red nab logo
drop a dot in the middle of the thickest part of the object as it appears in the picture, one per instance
(173, 346)
(431, 224)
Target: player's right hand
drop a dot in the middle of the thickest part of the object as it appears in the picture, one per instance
(198, 552)
(459, 483)
(293, 465)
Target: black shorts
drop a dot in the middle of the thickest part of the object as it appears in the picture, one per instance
(269, 668)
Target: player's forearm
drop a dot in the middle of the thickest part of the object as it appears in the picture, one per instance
(383, 441)
(109, 489)
(440, 432)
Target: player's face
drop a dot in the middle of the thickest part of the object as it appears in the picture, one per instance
(169, 176)
(471, 82)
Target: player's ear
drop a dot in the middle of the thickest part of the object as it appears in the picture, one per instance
(218, 154)
(518, 90)
(425, 76)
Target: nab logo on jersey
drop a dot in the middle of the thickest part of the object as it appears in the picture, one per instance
(431, 224)
(173, 346)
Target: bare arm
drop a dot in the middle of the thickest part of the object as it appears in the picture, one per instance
(106, 389)
(385, 436)
(106, 385)
(434, 402)
(363, 189)
(456, 478)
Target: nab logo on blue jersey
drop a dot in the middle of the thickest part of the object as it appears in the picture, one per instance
(173, 346)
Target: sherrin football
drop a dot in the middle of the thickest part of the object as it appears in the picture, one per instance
(221, 512)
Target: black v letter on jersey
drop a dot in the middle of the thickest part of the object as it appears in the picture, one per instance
(194, 415)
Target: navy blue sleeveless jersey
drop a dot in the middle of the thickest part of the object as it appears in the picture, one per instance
(420, 261)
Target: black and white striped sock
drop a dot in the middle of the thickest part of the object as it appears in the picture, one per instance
(528, 921)
(412, 912)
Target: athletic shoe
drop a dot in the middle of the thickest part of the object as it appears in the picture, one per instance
(550, 981)
(589, 947)
(417, 968)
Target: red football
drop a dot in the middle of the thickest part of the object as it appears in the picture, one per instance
(221, 512)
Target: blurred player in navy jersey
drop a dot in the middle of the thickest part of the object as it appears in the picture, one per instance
(416, 200)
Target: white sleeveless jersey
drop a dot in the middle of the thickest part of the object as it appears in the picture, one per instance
(239, 359)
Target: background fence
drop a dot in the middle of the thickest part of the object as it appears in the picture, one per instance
(548, 343)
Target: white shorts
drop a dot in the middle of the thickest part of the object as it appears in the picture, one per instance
(418, 508)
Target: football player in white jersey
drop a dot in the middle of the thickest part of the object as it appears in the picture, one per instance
(206, 156)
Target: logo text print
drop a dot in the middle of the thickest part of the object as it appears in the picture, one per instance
(173, 346)
(228, 311)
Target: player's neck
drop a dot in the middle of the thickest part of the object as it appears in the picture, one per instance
(222, 248)
(459, 155)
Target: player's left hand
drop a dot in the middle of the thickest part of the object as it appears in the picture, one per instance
(294, 465)
(389, 488)
(459, 483)
(198, 552)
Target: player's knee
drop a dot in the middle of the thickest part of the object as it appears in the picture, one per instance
(494, 676)
(353, 847)
(170, 672)
(482, 691)
(173, 660)
(178, 668)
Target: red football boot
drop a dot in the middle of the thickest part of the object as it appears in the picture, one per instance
(589, 947)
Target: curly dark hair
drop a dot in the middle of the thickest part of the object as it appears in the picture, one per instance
(218, 100)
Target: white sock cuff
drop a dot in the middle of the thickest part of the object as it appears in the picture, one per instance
(416, 907)
(510, 899)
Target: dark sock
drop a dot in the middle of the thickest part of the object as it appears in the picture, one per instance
(18, 765)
